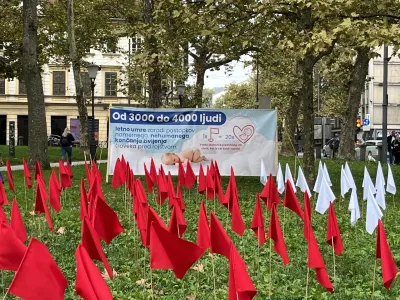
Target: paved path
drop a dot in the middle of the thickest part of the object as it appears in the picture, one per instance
(53, 165)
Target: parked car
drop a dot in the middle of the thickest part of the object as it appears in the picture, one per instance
(53, 140)
(327, 151)
(371, 149)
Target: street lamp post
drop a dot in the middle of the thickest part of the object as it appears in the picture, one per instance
(181, 91)
(92, 70)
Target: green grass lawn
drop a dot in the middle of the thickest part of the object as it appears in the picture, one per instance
(54, 154)
(354, 268)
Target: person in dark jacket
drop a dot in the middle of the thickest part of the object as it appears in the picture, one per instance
(390, 141)
(396, 150)
(66, 145)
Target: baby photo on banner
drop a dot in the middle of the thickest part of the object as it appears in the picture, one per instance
(238, 138)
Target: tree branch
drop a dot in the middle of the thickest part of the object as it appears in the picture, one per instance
(326, 52)
(229, 59)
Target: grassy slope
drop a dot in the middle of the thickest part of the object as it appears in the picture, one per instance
(354, 269)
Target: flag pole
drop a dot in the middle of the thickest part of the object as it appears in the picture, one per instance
(308, 276)
(101, 153)
(270, 267)
(284, 221)
(334, 263)
(151, 283)
(258, 253)
(373, 281)
(26, 201)
(213, 270)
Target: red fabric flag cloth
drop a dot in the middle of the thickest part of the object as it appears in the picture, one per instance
(38, 277)
(91, 242)
(203, 229)
(88, 175)
(3, 195)
(152, 216)
(106, 222)
(181, 174)
(41, 204)
(89, 283)
(307, 215)
(140, 193)
(389, 268)
(316, 261)
(118, 178)
(149, 180)
(124, 164)
(83, 201)
(179, 197)
(96, 172)
(141, 221)
(27, 175)
(162, 187)
(190, 179)
(219, 239)
(12, 250)
(290, 201)
(257, 224)
(3, 217)
(65, 179)
(38, 170)
(241, 286)
(333, 237)
(177, 223)
(54, 191)
(95, 190)
(210, 184)
(167, 251)
(201, 185)
(69, 169)
(153, 171)
(10, 176)
(270, 193)
(231, 201)
(275, 233)
(171, 190)
(17, 223)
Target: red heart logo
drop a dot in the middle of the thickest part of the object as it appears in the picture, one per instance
(244, 134)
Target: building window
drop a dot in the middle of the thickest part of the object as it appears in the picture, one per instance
(137, 44)
(59, 83)
(111, 84)
(2, 86)
(21, 87)
(86, 83)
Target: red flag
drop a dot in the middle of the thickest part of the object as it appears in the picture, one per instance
(140, 193)
(275, 234)
(83, 202)
(96, 172)
(89, 283)
(124, 164)
(91, 242)
(181, 174)
(64, 175)
(27, 174)
(3, 217)
(152, 217)
(38, 170)
(149, 180)
(270, 193)
(10, 177)
(12, 250)
(316, 261)
(389, 268)
(179, 197)
(167, 251)
(237, 219)
(106, 222)
(153, 171)
(203, 229)
(95, 190)
(210, 184)
(257, 224)
(177, 223)
(333, 237)
(69, 170)
(162, 187)
(190, 176)
(240, 285)
(3, 195)
(17, 224)
(171, 190)
(118, 178)
(307, 215)
(290, 201)
(219, 239)
(38, 277)
(54, 191)
(40, 204)
(141, 221)
(201, 187)
(87, 170)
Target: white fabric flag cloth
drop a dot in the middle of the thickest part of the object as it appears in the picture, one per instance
(325, 196)
(327, 177)
(317, 185)
(280, 180)
(349, 175)
(354, 208)
(380, 196)
(390, 186)
(373, 213)
(367, 183)
(288, 176)
(263, 174)
(380, 178)
(302, 183)
(345, 185)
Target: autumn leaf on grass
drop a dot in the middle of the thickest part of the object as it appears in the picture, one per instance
(199, 268)
(106, 276)
(141, 281)
(160, 292)
(32, 213)
(61, 230)
(191, 297)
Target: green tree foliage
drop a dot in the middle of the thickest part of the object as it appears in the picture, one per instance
(242, 95)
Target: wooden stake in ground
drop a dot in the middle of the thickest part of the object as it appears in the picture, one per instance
(373, 281)
(270, 268)
(101, 153)
(213, 270)
(308, 276)
(26, 200)
(334, 263)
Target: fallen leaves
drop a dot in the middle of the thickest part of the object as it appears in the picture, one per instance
(106, 276)
(61, 230)
(198, 268)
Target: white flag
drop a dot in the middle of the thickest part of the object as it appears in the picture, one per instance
(349, 175)
(380, 178)
(263, 173)
(391, 186)
(325, 196)
(327, 177)
(367, 183)
(345, 185)
(288, 176)
(380, 196)
(317, 185)
(302, 183)
(280, 180)
(354, 208)
(373, 213)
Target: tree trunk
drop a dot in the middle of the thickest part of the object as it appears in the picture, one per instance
(37, 141)
(292, 113)
(76, 67)
(307, 99)
(198, 92)
(356, 88)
